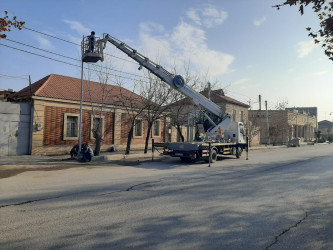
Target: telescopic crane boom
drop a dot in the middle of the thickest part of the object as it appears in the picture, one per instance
(175, 81)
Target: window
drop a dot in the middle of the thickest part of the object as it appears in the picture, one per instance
(156, 129)
(138, 128)
(241, 116)
(71, 126)
(97, 122)
(234, 115)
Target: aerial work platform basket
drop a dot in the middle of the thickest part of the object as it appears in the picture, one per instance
(91, 49)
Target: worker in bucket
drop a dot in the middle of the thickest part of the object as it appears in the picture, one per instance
(91, 39)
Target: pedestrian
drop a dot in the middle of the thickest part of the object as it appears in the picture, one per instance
(87, 152)
(74, 151)
(92, 41)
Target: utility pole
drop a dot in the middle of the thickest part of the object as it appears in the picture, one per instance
(331, 113)
(81, 100)
(268, 139)
(259, 102)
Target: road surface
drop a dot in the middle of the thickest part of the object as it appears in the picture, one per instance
(278, 199)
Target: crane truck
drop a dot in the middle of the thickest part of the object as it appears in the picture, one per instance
(223, 137)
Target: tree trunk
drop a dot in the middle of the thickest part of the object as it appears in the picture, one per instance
(150, 124)
(129, 140)
(98, 137)
(98, 146)
(180, 133)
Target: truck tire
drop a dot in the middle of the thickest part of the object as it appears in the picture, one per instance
(213, 156)
(238, 152)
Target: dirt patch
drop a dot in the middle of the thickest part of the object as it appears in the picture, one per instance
(6, 173)
(10, 170)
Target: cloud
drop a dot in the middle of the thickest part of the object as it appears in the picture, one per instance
(258, 22)
(78, 27)
(208, 17)
(184, 43)
(305, 48)
(321, 73)
(241, 81)
(44, 43)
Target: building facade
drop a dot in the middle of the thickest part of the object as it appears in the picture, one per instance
(185, 110)
(281, 126)
(55, 102)
(325, 128)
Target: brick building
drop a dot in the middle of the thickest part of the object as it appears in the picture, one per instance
(236, 109)
(326, 129)
(55, 102)
(284, 125)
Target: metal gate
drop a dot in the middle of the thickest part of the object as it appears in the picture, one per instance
(14, 129)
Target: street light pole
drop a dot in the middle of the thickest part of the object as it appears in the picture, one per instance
(80, 122)
(81, 100)
(268, 139)
(331, 113)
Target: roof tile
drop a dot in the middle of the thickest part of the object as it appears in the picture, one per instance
(69, 88)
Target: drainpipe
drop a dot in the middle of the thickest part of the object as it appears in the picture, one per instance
(31, 129)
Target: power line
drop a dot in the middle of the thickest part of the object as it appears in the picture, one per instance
(64, 40)
(64, 62)
(24, 44)
(47, 51)
(39, 32)
(240, 94)
(14, 77)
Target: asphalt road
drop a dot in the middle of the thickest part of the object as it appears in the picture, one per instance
(278, 199)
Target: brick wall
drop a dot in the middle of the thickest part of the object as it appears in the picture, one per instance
(126, 125)
(54, 126)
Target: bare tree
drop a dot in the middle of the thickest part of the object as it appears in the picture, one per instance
(281, 104)
(253, 126)
(158, 95)
(99, 96)
(133, 105)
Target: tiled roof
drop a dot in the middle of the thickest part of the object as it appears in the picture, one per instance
(216, 96)
(69, 88)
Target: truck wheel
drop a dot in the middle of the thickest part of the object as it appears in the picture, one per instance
(238, 152)
(213, 157)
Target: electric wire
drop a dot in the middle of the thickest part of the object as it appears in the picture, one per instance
(14, 77)
(78, 66)
(42, 33)
(27, 45)
(64, 40)
(47, 51)
(71, 64)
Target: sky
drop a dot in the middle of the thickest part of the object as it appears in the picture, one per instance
(246, 47)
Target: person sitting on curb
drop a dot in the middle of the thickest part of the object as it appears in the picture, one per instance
(74, 151)
(87, 152)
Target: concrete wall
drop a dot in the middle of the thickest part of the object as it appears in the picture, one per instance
(14, 128)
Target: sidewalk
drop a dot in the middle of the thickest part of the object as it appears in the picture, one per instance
(103, 157)
(58, 159)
